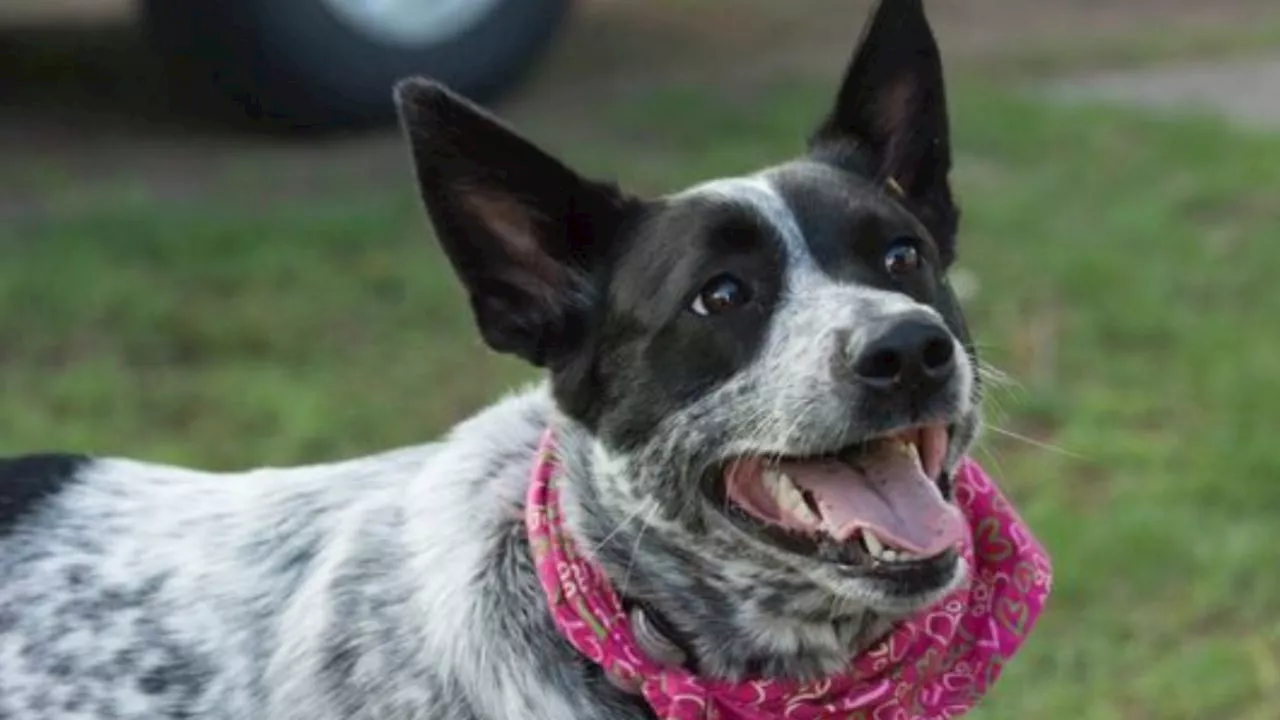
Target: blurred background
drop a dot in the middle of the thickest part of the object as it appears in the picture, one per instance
(212, 254)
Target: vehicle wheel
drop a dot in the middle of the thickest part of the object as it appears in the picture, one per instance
(326, 63)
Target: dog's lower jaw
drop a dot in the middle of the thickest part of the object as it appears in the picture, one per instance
(739, 613)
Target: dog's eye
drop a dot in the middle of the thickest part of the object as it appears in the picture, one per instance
(722, 294)
(903, 257)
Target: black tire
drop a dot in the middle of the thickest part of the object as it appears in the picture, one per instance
(296, 63)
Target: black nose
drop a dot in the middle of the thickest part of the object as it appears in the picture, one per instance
(914, 352)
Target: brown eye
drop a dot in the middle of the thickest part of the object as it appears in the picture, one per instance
(903, 257)
(722, 294)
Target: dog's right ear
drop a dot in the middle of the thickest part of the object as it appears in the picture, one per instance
(522, 231)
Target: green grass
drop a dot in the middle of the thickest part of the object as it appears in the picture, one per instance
(1127, 273)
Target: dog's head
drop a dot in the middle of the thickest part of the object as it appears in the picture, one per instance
(773, 367)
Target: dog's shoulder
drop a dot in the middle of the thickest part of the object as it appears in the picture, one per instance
(126, 583)
(286, 592)
(27, 482)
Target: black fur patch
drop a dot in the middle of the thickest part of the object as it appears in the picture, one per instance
(652, 355)
(26, 481)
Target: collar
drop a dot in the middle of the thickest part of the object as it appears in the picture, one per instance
(932, 666)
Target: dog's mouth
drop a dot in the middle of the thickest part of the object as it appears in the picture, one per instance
(877, 502)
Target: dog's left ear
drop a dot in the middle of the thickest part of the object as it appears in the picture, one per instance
(891, 113)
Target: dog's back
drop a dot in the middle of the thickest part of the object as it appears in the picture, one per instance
(132, 590)
(128, 588)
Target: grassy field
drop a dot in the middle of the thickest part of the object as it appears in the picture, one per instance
(1126, 270)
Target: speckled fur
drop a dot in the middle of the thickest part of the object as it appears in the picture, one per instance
(750, 607)
(400, 586)
(394, 586)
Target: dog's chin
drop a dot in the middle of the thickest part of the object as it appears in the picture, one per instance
(871, 521)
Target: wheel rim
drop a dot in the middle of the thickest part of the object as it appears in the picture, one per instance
(411, 22)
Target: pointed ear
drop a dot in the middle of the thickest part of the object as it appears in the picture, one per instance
(523, 232)
(891, 114)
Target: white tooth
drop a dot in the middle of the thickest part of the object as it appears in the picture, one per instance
(872, 542)
(879, 551)
(806, 515)
(787, 496)
(913, 450)
(773, 482)
(790, 499)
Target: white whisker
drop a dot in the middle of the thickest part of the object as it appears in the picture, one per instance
(635, 548)
(1036, 443)
(648, 505)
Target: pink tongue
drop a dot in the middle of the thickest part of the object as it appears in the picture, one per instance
(889, 494)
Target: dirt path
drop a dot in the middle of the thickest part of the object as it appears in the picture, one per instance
(82, 105)
(1227, 89)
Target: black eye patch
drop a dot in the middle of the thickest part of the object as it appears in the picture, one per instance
(675, 254)
(848, 222)
(653, 354)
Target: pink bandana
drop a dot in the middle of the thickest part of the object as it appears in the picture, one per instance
(933, 666)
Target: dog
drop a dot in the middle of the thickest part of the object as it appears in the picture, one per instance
(726, 367)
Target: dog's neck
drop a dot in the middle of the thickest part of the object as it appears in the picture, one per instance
(736, 617)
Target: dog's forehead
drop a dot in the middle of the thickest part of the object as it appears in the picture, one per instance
(815, 210)
(819, 193)
(754, 195)
(796, 217)
(683, 234)
(842, 216)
